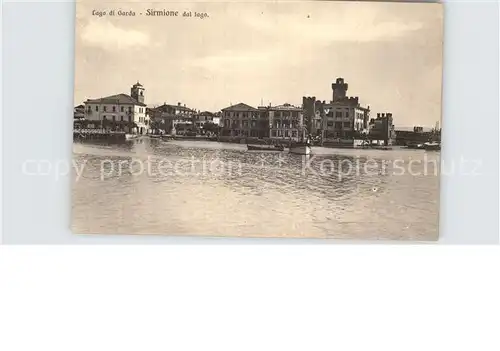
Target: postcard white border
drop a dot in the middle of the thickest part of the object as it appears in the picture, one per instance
(38, 67)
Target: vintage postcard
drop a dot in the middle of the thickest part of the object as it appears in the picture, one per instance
(282, 119)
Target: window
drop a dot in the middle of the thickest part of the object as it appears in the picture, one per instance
(121, 108)
(114, 118)
(130, 109)
(114, 108)
(121, 117)
(103, 118)
(273, 133)
(329, 124)
(89, 108)
(104, 108)
(294, 134)
(97, 108)
(347, 124)
(286, 133)
(338, 125)
(130, 118)
(347, 114)
(338, 114)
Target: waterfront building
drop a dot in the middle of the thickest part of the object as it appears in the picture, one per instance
(201, 118)
(242, 120)
(382, 128)
(313, 114)
(342, 117)
(285, 121)
(119, 112)
(173, 118)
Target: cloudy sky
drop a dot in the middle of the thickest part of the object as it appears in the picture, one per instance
(390, 54)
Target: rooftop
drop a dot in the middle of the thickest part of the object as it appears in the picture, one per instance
(286, 106)
(118, 99)
(240, 107)
(179, 107)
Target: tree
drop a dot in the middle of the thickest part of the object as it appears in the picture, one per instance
(211, 127)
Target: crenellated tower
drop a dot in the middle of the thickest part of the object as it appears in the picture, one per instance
(339, 90)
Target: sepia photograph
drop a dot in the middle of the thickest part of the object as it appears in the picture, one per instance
(282, 119)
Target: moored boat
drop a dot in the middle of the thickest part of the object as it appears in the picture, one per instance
(265, 147)
(432, 146)
(411, 145)
(131, 136)
(301, 148)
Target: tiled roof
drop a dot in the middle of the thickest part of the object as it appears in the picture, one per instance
(167, 106)
(118, 99)
(240, 107)
(285, 107)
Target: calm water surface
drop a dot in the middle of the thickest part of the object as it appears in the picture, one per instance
(206, 188)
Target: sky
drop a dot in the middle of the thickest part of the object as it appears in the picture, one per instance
(270, 52)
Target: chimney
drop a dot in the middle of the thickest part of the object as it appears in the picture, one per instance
(378, 115)
(178, 104)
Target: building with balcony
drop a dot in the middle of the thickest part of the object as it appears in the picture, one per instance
(242, 120)
(285, 121)
(119, 112)
(173, 118)
(201, 118)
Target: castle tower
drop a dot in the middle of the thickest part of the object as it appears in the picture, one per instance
(137, 92)
(339, 90)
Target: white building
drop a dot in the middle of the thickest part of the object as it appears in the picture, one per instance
(285, 121)
(344, 115)
(119, 112)
(200, 119)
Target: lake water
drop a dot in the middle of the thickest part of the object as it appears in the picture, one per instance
(219, 189)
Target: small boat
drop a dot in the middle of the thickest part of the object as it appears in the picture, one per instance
(411, 145)
(265, 147)
(432, 146)
(301, 148)
(131, 136)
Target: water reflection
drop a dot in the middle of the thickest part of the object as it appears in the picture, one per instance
(203, 188)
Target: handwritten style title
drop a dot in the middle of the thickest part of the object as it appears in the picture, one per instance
(150, 13)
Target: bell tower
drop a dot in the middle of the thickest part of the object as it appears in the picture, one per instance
(339, 90)
(137, 92)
